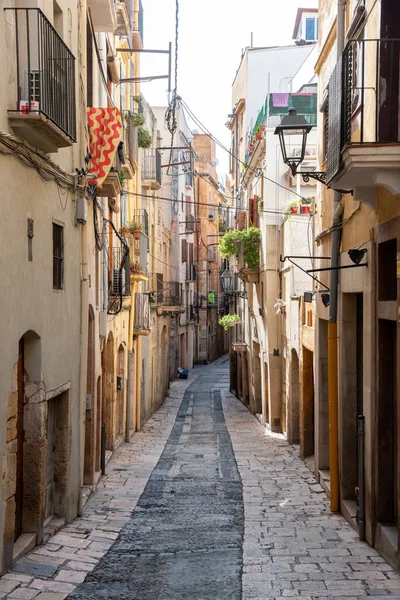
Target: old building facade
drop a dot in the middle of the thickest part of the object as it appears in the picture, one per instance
(357, 343)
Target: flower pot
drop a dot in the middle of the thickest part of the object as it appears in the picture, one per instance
(294, 210)
(258, 136)
(305, 209)
(136, 234)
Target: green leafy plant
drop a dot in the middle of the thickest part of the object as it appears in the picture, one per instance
(227, 320)
(245, 163)
(247, 240)
(222, 226)
(122, 177)
(308, 200)
(138, 119)
(290, 208)
(144, 137)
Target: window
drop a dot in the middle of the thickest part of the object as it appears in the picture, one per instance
(311, 29)
(58, 257)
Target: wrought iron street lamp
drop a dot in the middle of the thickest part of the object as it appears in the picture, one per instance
(228, 282)
(296, 125)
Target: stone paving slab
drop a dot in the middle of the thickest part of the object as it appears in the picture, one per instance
(54, 570)
(293, 545)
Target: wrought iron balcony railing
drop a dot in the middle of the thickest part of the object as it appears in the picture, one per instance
(142, 217)
(43, 72)
(170, 294)
(363, 98)
(151, 168)
(131, 148)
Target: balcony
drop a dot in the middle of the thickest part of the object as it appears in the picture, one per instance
(363, 140)
(112, 186)
(131, 148)
(141, 318)
(124, 17)
(43, 76)
(169, 296)
(137, 29)
(103, 15)
(151, 169)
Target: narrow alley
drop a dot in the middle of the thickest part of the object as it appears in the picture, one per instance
(205, 505)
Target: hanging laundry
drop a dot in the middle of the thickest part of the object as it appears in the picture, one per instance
(280, 100)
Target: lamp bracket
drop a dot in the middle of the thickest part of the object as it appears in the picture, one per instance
(337, 268)
(318, 175)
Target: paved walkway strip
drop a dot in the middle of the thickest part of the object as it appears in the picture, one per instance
(202, 474)
(186, 534)
(294, 546)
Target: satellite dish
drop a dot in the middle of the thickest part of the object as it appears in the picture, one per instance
(215, 162)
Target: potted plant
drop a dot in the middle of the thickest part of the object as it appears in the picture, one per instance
(222, 226)
(258, 134)
(292, 208)
(245, 163)
(144, 137)
(305, 206)
(260, 205)
(136, 268)
(248, 240)
(122, 178)
(229, 321)
(132, 229)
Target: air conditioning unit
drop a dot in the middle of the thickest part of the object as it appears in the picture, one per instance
(118, 282)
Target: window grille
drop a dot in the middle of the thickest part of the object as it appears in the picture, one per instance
(58, 257)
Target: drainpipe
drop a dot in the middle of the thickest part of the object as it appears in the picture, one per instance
(332, 323)
(129, 381)
(84, 349)
(138, 382)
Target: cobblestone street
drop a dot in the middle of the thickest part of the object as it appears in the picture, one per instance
(221, 509)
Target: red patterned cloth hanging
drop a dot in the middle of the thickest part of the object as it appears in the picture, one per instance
(105, 130)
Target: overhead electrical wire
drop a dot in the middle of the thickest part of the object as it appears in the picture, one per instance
(221, 145)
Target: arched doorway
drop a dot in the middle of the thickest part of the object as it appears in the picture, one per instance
(109, 392)
(256, 407)
(293, 431)
(164, 366)
(307, 405)
(89, 458)
(119, 417)
(36, 458)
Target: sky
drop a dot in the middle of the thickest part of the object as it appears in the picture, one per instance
(212, 34)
